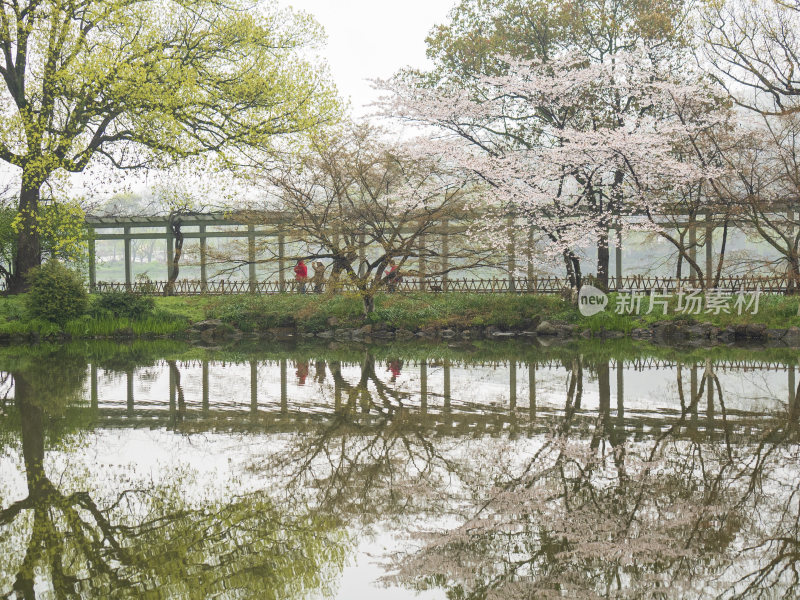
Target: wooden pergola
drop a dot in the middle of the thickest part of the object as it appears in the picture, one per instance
(202, 226)
(193, 226)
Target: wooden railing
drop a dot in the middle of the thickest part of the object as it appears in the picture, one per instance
(523, 285)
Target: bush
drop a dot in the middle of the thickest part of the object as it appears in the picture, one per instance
(123, 304)
(56, 293)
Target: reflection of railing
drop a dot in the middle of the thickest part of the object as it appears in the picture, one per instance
(534, 285)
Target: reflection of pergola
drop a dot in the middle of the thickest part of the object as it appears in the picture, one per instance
(442, 416)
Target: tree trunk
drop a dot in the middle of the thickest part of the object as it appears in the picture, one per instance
(29, 251)
(602, 260)
(721, 260)
(175, 223)
(369, 303)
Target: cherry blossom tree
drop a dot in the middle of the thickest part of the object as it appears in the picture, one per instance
(573, 145)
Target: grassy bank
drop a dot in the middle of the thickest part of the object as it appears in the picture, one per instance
(315, 313)
(437, 310)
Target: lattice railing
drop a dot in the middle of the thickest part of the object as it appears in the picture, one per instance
(535, 285)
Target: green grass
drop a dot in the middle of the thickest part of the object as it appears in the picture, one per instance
(314, 313)
(437, 310)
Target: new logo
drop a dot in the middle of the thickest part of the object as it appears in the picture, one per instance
(591, 300)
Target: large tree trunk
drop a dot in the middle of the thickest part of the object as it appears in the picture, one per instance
(29, 251)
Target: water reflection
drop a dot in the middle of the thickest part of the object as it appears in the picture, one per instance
(66, 538)
(615, 475)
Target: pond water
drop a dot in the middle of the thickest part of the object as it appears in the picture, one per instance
(476, 471)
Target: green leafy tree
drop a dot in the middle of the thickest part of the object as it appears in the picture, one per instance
(134, 83)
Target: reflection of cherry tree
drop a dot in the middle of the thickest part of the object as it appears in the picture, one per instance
(136, 537)
(600, 516)
(375, 458)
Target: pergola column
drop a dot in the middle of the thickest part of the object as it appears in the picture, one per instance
(253, 387)
(709, 251)
(93, 387)
(170, 251)
(281, 262)
(693, 250)
(127, 245)
(512, 256)
(251, 257)
(422, 262)
(129, 386)
(92, 261)
(445, 254)
(284, 392)
(423, 385)
(532, 390)
(203, 250)
(512, 385)
(529, 256)
(205, 387)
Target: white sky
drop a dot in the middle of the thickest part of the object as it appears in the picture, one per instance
(373, 38)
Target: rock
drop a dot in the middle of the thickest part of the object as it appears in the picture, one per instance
(613, 335)
(726, 335)
(207, 324)
(325, 334)
(756, 331)
(342, 333)
(466, 334)
(545, 328)
(333, 321)
(365, 330)
(403, 334)
(532, 323)
(775, 334)
(698, 332)
(448, 333)
(792, 336)
(586, 333)
(307, 335)
(504, 334)
(281, 333)
(383, 335)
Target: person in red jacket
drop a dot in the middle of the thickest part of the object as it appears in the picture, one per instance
(301, 275)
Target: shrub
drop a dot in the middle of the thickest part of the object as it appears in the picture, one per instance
(119, 304)
(56, 293)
